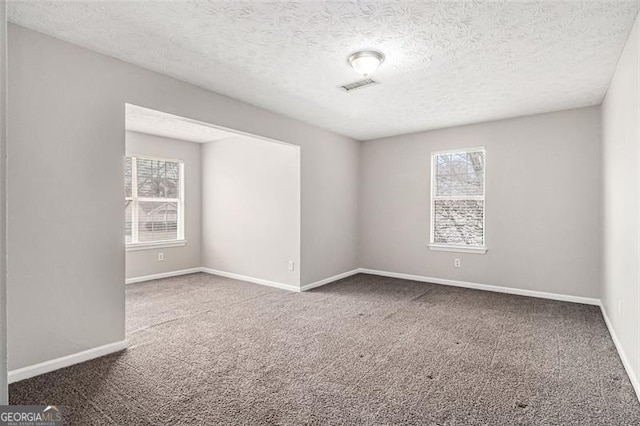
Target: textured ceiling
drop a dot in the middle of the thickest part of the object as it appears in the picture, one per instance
(447, 63)
(144, 120)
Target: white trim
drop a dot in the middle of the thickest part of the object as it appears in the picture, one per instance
(65, 361)
(459, 197)
(459, 150)
(329, 280)
(155, 245)
(486, 287)
(162, 275)
(623, 356)
(135, 199)
(458, 249)
(251, 279)
(181, 216)
(155, 157)
(158, 199)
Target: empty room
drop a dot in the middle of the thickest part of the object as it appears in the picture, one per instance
(320, 212)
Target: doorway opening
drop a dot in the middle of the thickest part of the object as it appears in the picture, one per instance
(200, 198)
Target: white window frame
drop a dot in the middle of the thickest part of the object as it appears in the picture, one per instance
(180, 240)
(456, 247)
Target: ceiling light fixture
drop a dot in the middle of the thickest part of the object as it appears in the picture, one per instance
(365, 62)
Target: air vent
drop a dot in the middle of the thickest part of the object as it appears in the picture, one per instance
(358, 84)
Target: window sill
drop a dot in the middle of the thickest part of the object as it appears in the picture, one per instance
(156, 245)
(458, 249)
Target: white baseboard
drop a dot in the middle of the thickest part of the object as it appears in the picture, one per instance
(486, 287)
(623, 356)
(162, 275)
(329, 280)
(275, 284)
(251, 279)
(65, 361)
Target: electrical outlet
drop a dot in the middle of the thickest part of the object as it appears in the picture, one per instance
(456, 263)
(160, 257)
(291, 265)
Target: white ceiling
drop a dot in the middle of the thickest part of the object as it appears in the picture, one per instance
(144, 120)
(447, 63)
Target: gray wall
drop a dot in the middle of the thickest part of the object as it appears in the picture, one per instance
(542, 203)
(67, 144)
(620, 291)
(251, 208)
(3, 198)
(140, 263)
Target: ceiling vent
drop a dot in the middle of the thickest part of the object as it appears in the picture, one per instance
(359, 84)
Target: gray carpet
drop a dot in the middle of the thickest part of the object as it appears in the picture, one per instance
(364, 350)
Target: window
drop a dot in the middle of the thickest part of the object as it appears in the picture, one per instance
(457, 200)
(154, 207)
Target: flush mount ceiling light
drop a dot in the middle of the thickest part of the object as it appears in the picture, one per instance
(365, 62)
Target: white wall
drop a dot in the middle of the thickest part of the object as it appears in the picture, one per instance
(242, 208)
(141, 263)
(542, 203)
(66, 139)
(621, 197)
(3, 199)
(251, 208)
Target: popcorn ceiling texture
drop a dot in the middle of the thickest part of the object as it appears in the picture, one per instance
(206, 350)
(448, 63)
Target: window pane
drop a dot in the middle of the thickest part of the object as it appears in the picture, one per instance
(459, 174)
(458, 222)
(157, 221)
(127, 177)
(158, 179)
(127, 221)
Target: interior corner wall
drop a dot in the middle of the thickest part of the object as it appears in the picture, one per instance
(329, 209)
(251, 209)
(140, 263)
(542, 172)
(66, 253)
(620, 292)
